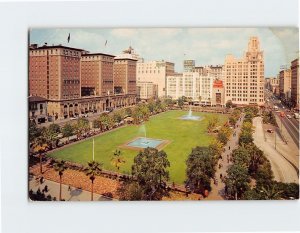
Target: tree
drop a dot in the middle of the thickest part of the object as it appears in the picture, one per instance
(237, 181)
(130, 191)
(93, 169)
(117, 117)
(96, 124)
(104, 121)
(60, 167)
(245, 138)
(241, 156)
(216, 148)
(149, 170)
(117, 159)
(200, 168)
(229, 104)
(257, 157)
(40, 146)
(128, 111)
(224, 134)
(82, 126)
(180, 101)
(33, 131)
(67, 130)
(212, 123)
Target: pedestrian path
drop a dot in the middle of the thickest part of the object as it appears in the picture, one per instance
(69, 193)
(218, 187)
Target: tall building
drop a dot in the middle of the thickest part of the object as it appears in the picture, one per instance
(272, 84)
(206, 85)
(97, 74)
(189, 65)
(244, 78)
(54, 72)
(155, 72)
(295, 83)
(285, 84)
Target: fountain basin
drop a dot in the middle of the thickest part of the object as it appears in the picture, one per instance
(142, 143)
(190, 118)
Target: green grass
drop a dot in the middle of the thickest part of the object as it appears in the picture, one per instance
(183, 136)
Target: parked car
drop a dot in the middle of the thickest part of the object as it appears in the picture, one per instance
(270, 130)
(288, 116)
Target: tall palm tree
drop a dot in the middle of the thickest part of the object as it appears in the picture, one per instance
(39, 146)
(93, 169)
(60, 167)
(117, 159)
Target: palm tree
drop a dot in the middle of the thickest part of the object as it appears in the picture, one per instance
(117, 159)
(60, 167)
(93, 169)
(270, 193)
(39, 146)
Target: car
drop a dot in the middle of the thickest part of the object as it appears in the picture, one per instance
(288, 116)
(270, 130)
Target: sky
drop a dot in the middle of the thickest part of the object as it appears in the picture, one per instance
(207, 46)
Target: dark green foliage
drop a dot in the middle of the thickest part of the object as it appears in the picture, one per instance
(150, 172)
(200, 168)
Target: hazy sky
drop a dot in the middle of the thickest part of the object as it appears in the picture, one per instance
(207, 46)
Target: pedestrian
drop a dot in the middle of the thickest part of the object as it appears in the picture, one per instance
(69, 189)
(41, 180)
(229, 147)
(45, 189)
(221, 176)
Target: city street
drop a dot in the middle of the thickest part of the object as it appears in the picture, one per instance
(282, 168)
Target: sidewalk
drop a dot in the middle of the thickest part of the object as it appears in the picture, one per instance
(74, 194)
(218, 189)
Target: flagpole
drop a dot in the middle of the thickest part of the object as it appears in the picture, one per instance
(93, 149)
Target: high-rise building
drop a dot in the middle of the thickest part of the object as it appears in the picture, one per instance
(54, 72)
(155, 72)
(295, 83)
(244, 78)
(59, 74)
(189, 65)
(97, 74)
(285, 84)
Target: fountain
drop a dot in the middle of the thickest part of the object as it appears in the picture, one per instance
(144, 142)
(190, 116)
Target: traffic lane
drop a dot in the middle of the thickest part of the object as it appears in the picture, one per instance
(292, 131)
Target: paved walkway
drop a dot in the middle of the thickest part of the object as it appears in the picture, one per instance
(281, 167)
(218, 188)
(74, 194)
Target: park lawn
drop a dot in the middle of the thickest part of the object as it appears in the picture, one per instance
(183, 136)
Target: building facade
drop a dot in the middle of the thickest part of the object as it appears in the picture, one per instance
(295, 83)
(218, 98)
(189, 65)
(37, 108)
(147, 90)
(156, 73)
(216, 71)
(97, 74)
(244, 78)
(190, 85)
(285, 84)
(55, 74)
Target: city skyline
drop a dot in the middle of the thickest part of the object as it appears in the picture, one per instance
(204, 45)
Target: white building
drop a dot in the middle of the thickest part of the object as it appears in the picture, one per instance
(191, 85)
(155, 72)
(244, 78)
